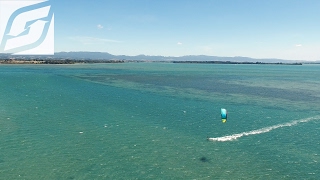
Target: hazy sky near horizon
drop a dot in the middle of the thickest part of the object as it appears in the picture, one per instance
(285, 29)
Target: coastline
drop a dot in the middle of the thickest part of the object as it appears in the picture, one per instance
(229, 62)
(74, 61)
(56, 61)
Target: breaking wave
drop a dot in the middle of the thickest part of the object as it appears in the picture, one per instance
(262, 130)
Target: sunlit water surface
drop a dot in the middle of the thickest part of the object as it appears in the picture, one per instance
(152, 120)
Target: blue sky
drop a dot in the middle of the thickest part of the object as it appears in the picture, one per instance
(285, 29)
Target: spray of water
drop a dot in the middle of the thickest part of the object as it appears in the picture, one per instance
(262, 130)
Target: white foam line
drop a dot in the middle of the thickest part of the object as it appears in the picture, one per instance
(262, 130)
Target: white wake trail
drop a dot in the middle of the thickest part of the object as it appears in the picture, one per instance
(262, 130)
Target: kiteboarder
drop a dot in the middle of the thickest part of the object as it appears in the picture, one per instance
(224, 115)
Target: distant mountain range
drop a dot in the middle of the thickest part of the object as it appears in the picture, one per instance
(83, 55)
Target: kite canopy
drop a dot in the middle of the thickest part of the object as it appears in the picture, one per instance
(224, 115)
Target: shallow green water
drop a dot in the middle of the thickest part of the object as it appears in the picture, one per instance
(151, 121)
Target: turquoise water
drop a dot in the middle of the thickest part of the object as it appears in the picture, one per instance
(152, 120)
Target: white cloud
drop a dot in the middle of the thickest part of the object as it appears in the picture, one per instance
(298, 45)
(179, 43)
(99, 26)
(206, 49)
(92, 40)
